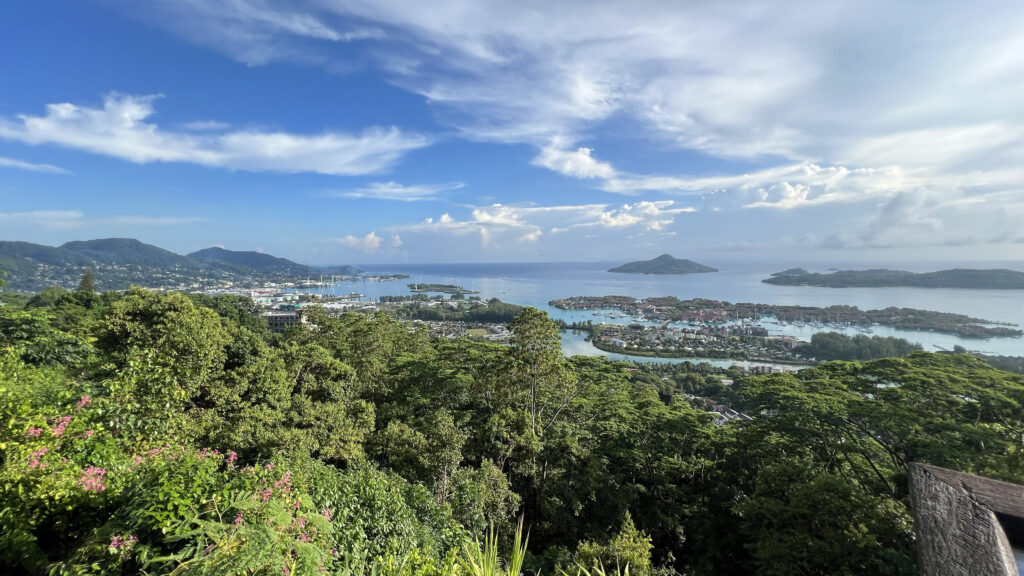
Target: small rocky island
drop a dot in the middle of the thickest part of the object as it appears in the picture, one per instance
(995, 279)
(664, 264)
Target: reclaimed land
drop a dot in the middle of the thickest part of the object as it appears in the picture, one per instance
(671, 309)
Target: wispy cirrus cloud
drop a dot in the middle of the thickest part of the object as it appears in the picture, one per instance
(882, 97)
(396, 191)
(120, 129)
(71, 219)
(31, 166)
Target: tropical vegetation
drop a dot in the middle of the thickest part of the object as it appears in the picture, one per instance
(162, 433)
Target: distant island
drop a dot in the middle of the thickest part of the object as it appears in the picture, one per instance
(995, 279)
(664, 264)
(445, 288)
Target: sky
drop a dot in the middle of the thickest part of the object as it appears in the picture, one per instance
(386, 131)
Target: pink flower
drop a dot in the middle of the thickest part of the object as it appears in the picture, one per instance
(270, 465)
(265, 495)
(40, 452)
(328, 514)
(34, 432)
(117, 542)
(92, 479)
(305, 537)
(87, 434)
(287, 571)
(137, 460)
(301, 522)
(83, 402)
(284, 482)
(62, 423)
(34, 463)
(239, 519)
(295, 506)
(232, 456)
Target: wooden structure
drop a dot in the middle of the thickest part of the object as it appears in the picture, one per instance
(966, 525)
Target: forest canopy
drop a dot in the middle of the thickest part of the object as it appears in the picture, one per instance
(169, 433)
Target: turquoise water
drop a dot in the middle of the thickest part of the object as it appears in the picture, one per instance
(536, 284)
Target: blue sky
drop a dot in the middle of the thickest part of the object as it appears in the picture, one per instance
(332, 131)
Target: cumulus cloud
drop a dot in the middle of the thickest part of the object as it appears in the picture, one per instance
(396, 191)
(31, 166)
(578, 163)
(369, 243)
(498, 222)
(120, 129)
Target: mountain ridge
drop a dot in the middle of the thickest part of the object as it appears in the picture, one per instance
(118, 262)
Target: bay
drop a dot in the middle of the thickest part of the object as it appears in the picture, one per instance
(535, 284)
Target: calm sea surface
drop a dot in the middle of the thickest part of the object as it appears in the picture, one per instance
(537, 284)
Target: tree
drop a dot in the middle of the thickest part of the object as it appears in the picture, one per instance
(537, 360)
(629, 548)
(87, 285)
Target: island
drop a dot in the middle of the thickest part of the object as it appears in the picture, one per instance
(445, 288)
(792, 272)
(664, 264)
(993, 279)
(702, 311)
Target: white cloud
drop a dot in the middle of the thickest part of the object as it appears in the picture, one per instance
(33, 167)
(396, 191)
(120, 129)
(862, 85)
(252, 31)
(369, 243)
(578, 163)
(70, 219)
(498, 222)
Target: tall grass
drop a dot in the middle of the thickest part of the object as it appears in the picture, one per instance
(481, 559)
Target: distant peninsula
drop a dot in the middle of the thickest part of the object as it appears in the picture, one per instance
(995, 279)
(664, 264)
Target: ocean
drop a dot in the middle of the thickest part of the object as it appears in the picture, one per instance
(536, 284)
